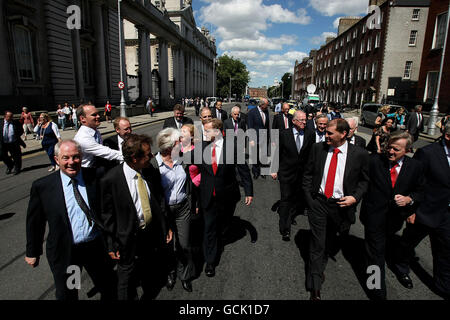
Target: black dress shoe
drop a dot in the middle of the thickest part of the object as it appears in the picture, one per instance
(286, 236)
(210, 270)
(8, 171)
(405, 281)
(16, 172)
(187, 285)
(255, 176)
(294, 223)
(315, 295)
(170, 281)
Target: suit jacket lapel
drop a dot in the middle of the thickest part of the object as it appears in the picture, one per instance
(323, 158)
(123, 185)
(348, 162)
(60, 200)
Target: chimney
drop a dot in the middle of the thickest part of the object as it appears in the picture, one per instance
(346, 23)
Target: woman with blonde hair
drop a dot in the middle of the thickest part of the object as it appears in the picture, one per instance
(49, 133)
(384, 110)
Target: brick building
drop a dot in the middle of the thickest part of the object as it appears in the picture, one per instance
(303, 75)
(257, 92)
(376, 58)
(431, 59)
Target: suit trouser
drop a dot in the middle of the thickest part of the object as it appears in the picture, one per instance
(217, 217)
(380, 246)
(14, 158)
(140, 267)
(292, 201)
(92, 256)
(412, 235)
(323, 242)
(181, 214)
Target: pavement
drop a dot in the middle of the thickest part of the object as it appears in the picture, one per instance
(105, 128)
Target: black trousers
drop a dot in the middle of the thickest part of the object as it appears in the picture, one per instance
(92, 256)
(217, 217)
(380, 246)
(325, 239)
(292, 201)
(412, 235)
(143, 265)
(12, 155)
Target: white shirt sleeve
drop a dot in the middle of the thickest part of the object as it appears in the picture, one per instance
(55, 130)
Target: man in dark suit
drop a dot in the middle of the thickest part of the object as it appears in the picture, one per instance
(67, 201)
(258, 119)
(134, 223)
(394, 193)
(242, 115)
(123, 128)
(218, 112)
(335, 179)
(10, 142)
(220, 190)
(283, 120)
(414, 124)
(178, 119)
(432, 217)
(352, 137)
(293, 149)
(320, 128)
(234, 122)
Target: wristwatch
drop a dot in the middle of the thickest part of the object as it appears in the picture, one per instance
(412, 202)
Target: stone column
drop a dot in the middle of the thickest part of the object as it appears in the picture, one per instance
(181, 74)
(78, 65)
(5, 65)
(144, 63)
(101, 83)
(164, 73)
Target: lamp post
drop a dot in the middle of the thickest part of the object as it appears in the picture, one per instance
(122, 97)
(435, 109)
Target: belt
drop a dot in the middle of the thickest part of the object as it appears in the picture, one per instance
(179, 204)
(325, 199)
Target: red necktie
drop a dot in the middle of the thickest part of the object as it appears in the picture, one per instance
(329, 186)
(214, 163)
(285, 122)
(394, 174)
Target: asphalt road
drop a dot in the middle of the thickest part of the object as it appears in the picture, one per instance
(268, 269)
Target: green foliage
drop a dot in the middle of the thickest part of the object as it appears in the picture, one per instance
(230, 67)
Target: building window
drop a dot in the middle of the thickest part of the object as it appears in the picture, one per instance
(329, 63)
(335, 60)
(359, 73)
(348, 37)
(377, 40)
(362, 47)
(369, 44)
(342, 42)
(344, 78)
(24, 54)
(431, 85)
(407, 73)
(346, 54)
(365, 72)
(355, 33)
(338, 76)
(353, 51)
(340, 58)
(337, 45)
(364, 28)
(413, 38)
(416, 14)
(439, 31)
(350, 76)
(374, 69)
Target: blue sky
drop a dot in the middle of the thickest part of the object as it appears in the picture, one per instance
(269, 35)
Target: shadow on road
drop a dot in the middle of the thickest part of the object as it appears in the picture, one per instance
(5, 216)
(39, 166)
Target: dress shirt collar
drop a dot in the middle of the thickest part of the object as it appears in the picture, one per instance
(66, 180)
(343, 149)
(129, 172)
(301, 132)
(119, 141)
(218, 142)
(88, 130)
(160, 161)
(399, 162)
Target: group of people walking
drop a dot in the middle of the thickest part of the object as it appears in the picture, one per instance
(118, 204)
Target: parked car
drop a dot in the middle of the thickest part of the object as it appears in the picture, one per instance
(252, 103)
(370, 112)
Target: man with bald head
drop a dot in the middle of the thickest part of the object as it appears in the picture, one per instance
(234, 122)
(283, 120)
(258, 119)
(352, 137)
(294, 146)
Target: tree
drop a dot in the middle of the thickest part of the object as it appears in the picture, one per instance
(229, 67)
(273, 91)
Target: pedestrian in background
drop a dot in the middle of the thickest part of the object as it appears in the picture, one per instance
(10, 143)
(149, 106)
(74, 116)
(27, 121)
(61, 118)
(49, 133)
(108, 109)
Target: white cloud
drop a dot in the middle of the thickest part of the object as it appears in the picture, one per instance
(246, 19)
(343, 7)
(244, 55)
(260, 44)
(336, 22)
(321, 39)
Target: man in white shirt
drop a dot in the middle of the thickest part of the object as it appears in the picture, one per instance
(90, 138)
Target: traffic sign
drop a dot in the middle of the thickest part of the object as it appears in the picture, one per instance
(121, 85)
